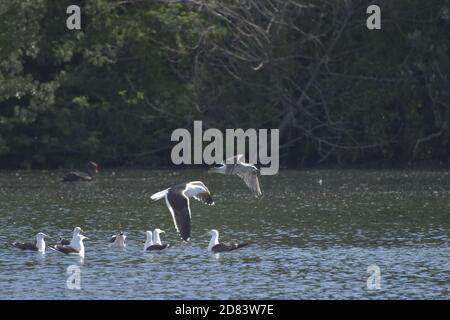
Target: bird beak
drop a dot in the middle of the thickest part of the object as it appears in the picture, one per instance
(162, 231)
(206, 234)
(86, 238)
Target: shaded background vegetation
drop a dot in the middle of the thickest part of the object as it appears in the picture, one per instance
(114, 91)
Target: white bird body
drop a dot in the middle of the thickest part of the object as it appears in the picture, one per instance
(78, 244)
(148, 240)
(156, 238)
(214, 239)
(40, 242)
(76, 232)
(118, 240)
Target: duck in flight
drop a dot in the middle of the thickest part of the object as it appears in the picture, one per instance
(153, 243)
(247, 172)
(76, 247)
(118, 240)
(216, 246)
(65, 242)
(177, 200)
(39, 245)
(92, 170)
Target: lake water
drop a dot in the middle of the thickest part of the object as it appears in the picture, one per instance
(307, 240)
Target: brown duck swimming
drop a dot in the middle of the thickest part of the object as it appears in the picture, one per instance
(92, 170)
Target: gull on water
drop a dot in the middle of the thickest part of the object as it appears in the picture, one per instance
(65, 242)
(39, 245)
(118, 240)
(151, 244)
(247, 172)
(76, 247)
(177, 200)
(216, 246)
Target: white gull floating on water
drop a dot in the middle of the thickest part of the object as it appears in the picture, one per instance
(76, 232)
(154, 245)
(216, 246)
(76, 247)
(118, 240)
(39, 245)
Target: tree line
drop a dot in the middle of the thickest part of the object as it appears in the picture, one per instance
(137, 70)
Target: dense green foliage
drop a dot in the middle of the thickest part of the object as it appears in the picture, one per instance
(115, 90)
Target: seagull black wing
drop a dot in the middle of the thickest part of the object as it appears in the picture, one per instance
(224, 247)
(113, 238)
(205, 198)
(178, 205)
(63, 241)
(25, 246)
(66, 249)
(157, 247)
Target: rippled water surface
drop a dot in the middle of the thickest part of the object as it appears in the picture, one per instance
(307, 240)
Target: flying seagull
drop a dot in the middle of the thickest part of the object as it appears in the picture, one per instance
(65, 242)
(76, 247)
(177, 200)
(92, 170)
(151, 245)
(216, 246)
(38, 246)
(245, 171)
(118, 240)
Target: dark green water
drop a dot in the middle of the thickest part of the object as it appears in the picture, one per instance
(307, 241)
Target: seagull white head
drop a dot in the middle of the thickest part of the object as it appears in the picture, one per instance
(77, 230)
(156, 233)
(213, 233)
(41, 236)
